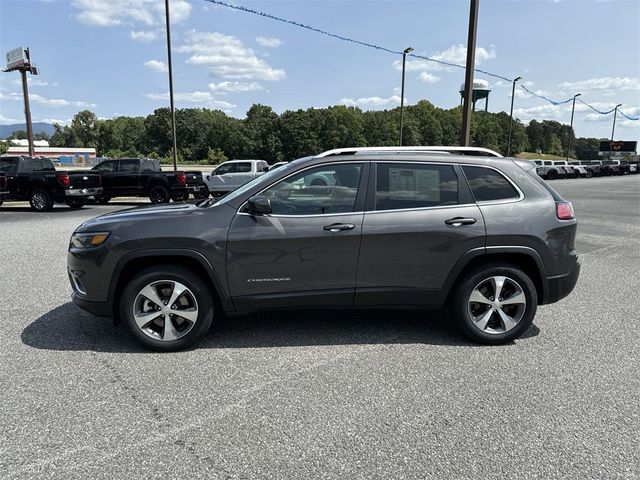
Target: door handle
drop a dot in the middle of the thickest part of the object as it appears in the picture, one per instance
(457, 221)
(338, 227)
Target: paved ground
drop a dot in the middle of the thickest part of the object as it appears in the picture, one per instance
(351, 395)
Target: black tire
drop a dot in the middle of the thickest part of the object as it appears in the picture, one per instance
(101, 199)
(180, 197)
(552, 175)
(203, 193)
(76, 203)
(589, 174)
(40, 200)
(461, 306)
(159, 194)
(197, 286)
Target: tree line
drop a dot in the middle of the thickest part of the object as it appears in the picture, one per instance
(210, 136)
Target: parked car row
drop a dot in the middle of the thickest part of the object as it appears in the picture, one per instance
(37, 181)
(553, 169)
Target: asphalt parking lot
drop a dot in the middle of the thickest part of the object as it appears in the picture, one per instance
(325, 395)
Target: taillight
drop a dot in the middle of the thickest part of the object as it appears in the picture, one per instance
(64, 179)
(564, 211)
(182, 178)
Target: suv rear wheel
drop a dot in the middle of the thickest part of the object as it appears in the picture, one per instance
(494, 304)
(75, 203)
(167, 308)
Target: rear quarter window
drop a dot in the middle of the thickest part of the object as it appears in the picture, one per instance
(489, 185)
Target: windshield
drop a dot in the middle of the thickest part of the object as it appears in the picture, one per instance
(248, 186)
(8, 165)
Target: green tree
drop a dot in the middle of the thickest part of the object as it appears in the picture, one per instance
(84, 127)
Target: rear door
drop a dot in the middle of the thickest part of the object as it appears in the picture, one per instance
(420, 221)
(125, 180)
(306, 252)
(108, 170)
(243, 173)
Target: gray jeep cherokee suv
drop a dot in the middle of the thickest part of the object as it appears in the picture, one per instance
(407, 228)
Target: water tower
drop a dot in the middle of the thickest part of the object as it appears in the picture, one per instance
(480, 90)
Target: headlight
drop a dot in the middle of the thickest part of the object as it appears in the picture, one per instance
(88, 240)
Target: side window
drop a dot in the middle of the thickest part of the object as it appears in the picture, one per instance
(225, 168)
(244, 167)
(263, 167)
(128, 166)
(320, 190)
(47, 164)
(36, 164)
(400, 185)
(488, 184)
(105, 167)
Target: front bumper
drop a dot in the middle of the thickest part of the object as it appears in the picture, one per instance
(82, 192)
(99, 309)
(560, 286)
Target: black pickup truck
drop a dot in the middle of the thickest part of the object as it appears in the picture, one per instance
(4, 187)
(143, 177)
(37, 180)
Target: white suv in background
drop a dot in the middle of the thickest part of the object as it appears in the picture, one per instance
(232, 174)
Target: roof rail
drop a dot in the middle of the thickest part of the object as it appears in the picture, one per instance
(484, 152)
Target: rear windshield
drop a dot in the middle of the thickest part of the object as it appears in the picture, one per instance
(8, 165)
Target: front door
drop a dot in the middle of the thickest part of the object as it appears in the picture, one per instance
(125, 180)
(107, 176)
(418, 224)
(305, 253)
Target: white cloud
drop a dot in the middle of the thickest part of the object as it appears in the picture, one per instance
(203, 98)
(539, 112)
(156, 66)
(47, 102)
(428, 77)
(603, 84)
(371, 101)
(225, 56)
(53, 120)
(35, 82)
(144, 35)
(269, 41)
(454, 54)
(129, 12)
(225, 87)
(7, 120)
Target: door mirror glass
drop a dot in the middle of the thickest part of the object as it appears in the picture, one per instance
(259, 205)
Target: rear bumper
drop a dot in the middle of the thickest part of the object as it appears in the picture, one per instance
(82, 192)
(195, 188)
(560, 286)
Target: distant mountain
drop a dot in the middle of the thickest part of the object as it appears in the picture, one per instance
(6, 130)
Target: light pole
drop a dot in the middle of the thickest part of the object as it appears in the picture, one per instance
(465, 133)
(513, 94)
(615, 113)
(404, 61)
(573, 107)
(173, 110)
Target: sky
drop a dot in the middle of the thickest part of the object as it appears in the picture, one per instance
(110, 56)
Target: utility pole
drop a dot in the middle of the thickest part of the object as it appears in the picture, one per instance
(513, 95)
(573, 107)
(615, 113)
(404, 60)
(19, 59)
(173, 110)
(468, 77)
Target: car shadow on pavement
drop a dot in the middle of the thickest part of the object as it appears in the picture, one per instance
(67, 327)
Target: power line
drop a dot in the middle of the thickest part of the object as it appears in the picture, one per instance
(398, 52)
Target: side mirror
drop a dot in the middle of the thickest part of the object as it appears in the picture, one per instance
(259, 205)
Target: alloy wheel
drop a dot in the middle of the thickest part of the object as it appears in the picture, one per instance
(165, 310)
(496, 305)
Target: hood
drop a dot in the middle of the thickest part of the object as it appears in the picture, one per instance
(152, 213)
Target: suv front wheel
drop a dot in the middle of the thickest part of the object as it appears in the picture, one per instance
(494, 304)
(167, 308)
